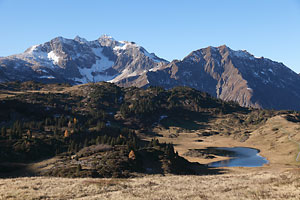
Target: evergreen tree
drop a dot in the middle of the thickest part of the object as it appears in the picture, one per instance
(169, 151)
(86, 142)
(78, 169)
(100, 126)
(98, 140)
(47, 123)
(3, 132)
(29, 134)
(119, 140)
(69, 124)
(76, 147)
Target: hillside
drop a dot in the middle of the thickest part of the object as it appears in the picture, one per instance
(98, 129)
(102, 130)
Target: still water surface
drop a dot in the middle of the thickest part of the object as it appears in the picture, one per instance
(241, 157)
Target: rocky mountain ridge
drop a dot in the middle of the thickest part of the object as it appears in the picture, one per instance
(229, 75)
(222, 72)
(78, 61)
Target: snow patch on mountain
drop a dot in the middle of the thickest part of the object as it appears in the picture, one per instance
(47, 77)
(125, 74)
(96, 72)
(33, 48)
(35, 55)
(41, 71)
(123, 45)
(154, 69)
(53, 56)
(89, 75)
(102, 63)
(119, 47)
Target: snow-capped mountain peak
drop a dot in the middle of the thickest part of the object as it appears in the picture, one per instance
(106, 37)
(80, 39)
(106, 40)
(80, 61)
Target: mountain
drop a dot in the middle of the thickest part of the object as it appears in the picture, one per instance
(78, 61)
(229, 75)
(222, 72)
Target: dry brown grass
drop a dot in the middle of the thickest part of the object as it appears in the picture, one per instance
(250, 185)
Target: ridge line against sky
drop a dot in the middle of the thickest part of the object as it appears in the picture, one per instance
(170, 28)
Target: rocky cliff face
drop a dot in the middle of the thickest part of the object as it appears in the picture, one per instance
(229, 75)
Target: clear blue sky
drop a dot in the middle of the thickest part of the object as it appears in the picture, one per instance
(170, 28)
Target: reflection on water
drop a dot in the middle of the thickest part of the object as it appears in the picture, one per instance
(242, 157)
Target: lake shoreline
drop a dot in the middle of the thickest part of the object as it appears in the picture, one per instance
(241, 157)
